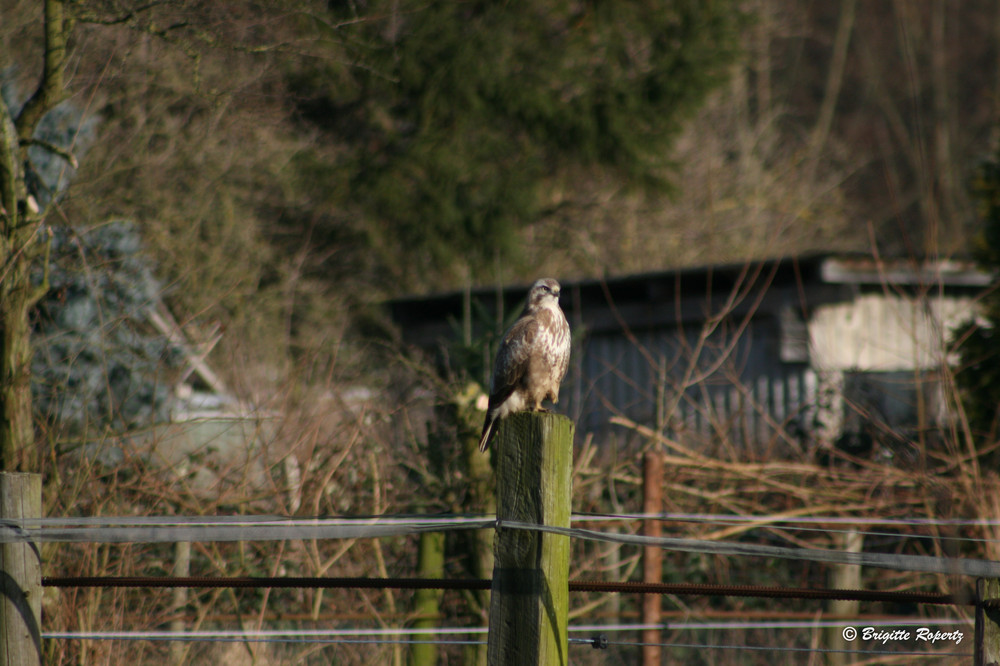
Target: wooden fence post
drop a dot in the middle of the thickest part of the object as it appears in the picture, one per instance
(987, 648)
(20, 574)
(844, 577)
(529, 599)
(481, 498)
(427, 603)
(652, 556)
(182, 569)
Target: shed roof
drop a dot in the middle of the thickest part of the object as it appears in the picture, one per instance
(665, 297)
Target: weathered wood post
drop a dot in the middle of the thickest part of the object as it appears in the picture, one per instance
(20, 574)
(844, 577)
(481, 498)
(427, 603)
(529, 599)
(987, 648)
(182, 569)
(652, 556)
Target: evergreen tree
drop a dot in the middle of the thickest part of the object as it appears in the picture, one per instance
(454, 116)
(97, 363)
(94, 362)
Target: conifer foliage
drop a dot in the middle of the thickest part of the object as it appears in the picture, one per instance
(457, 116)
(97, 362)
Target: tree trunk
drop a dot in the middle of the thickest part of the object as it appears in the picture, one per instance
(22, 245)
(16, 424)
(16, 428)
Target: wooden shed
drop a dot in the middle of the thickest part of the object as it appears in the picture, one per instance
(786, 353)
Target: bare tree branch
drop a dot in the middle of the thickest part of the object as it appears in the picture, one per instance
(50, 88)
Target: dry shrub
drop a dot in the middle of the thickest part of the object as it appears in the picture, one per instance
(328, 450)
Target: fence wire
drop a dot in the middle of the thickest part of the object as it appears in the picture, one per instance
(168, 529)
(597, 642)
(272, 528)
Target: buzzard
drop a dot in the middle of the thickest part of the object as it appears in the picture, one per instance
(532, 359)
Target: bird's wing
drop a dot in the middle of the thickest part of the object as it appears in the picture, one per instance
(564, 361)
(512, 359)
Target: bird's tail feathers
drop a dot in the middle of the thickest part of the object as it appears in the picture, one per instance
(484, 440)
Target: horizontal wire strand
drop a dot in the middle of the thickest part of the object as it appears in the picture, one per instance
(627, 587)
(180, 637)
(375, 528)
(282, 527)
(884, 653)
(421, 519)
(590, 629)
(163, 529)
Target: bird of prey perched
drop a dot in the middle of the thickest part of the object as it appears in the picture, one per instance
(532, 359)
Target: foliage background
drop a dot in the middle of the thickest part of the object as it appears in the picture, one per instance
(275, 171)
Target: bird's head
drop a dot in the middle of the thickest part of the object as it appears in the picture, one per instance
(544, 293)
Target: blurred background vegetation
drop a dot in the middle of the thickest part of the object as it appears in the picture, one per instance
(271, 172)
(288, 165)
